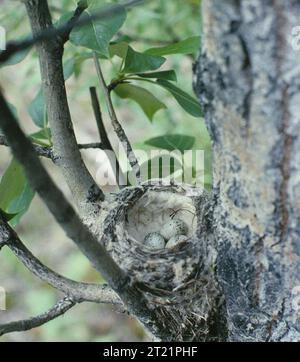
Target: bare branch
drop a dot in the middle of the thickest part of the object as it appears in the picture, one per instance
(56, 201)
(82, 5)
(57, 310)
(116, 124)
(99, 120)
(106, 145)
(42, 151)
(40, 181)
(77, 291)
(94, 145)
(47, 152)
(50, 33)
(65, 148)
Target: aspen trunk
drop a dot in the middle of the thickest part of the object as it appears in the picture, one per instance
(248, 81)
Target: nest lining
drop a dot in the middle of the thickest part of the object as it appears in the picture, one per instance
(155, 209)
(164, 273)
(179, 283)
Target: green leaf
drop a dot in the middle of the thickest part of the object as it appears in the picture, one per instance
(165, 74)
(43, 134)
(118, 49)
(42, 137)
(37, 110)
(7, 216)
(188, 46)
(136, 62)
(82, 4)
(15, 192)
(18, 57)
(149, 104)
(187, 102)
(97, 34)
(63, 19)
(172, 142)
(69, 68)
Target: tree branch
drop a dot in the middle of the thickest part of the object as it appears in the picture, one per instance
(40, 181)
(65, 215)
(94, 145)
(81, 6)
(78, 291)
(50, 33)
(56, 201)
(66, 151)
(57, 310)
(105, 142)
(116, 124)
(42, 151)
(47, 152)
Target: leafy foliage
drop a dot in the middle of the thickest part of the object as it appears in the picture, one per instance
(172, 142)
(164, 74)
(15, 192)
(154, 21)
(136, 62)
(37, 110)
(16, 58)
(188, 103)
(97, 34)
(143, 97)
(188, 46)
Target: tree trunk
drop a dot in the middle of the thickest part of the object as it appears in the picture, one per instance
(248, 81)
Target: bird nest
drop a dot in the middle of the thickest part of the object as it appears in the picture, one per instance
(166, 272)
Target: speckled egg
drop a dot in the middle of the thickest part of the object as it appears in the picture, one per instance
(154, 241)
(175, 240)
(174, 227)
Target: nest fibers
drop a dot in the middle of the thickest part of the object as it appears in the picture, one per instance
(167, 275)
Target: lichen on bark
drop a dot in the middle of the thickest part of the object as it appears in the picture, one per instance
(248, 81)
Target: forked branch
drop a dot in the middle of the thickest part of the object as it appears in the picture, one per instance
(48, 34)
(79, 292)
(41, 182)
(47, 152)
(60, 308)
(116, 124)
(105, 142)
(81, 183)
(61, 209)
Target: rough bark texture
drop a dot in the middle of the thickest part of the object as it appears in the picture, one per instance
(67, 156)
(248, 80)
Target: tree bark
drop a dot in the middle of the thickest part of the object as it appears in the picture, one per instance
(248, 81)
(84, 190)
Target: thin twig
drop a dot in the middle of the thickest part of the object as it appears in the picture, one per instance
(116, 124)
(78, 291)
(42, 151)
(55, 200)
(86, 241)
(50, 33)
(60, 308)
(94, 145)
(47, 152)
(74, 20)
(105, 142)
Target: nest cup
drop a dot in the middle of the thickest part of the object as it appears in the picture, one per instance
(164, 272)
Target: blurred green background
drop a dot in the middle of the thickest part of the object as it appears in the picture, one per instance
(149, 25)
